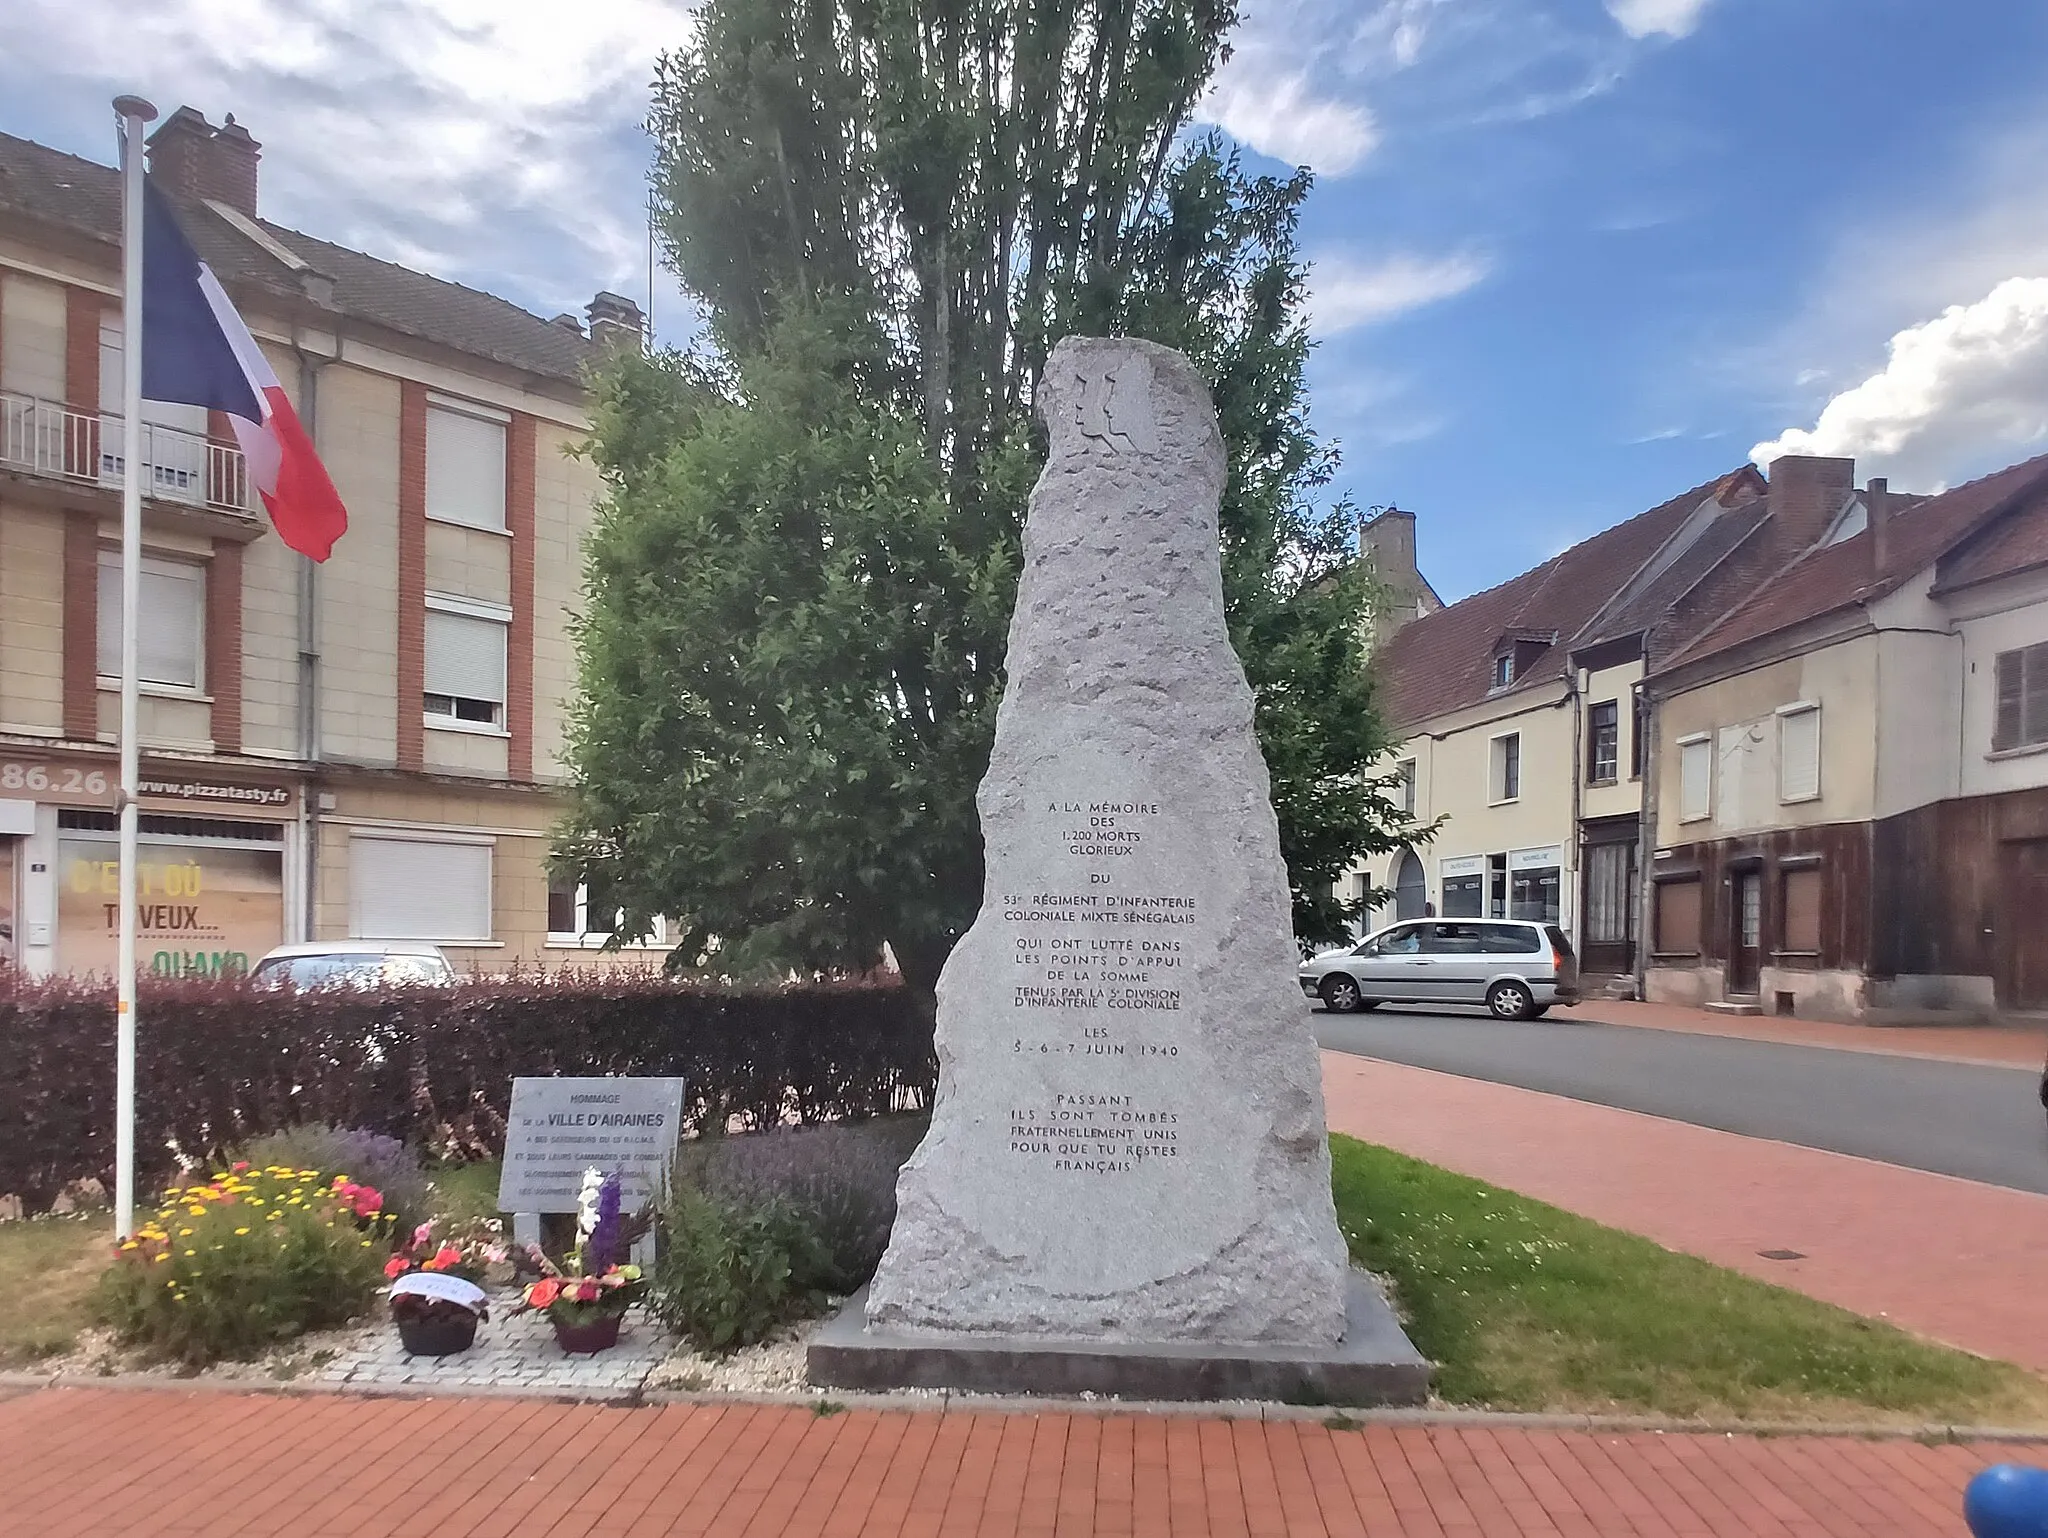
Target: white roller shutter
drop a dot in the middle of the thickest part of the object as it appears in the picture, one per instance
(1696, 779)
(170, 632)
(414, 889)
(465, 469)
(465, 656)
(1799, 754)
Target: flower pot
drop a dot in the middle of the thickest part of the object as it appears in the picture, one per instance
(442, 1334)
(599, 1334)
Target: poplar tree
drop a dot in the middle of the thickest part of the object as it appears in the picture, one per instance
(800, 583)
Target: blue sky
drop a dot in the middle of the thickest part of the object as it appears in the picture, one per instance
(1572, 256)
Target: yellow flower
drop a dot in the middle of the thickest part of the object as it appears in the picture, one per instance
(191, 1252)
(196, 1210)
(239, 1231)
(160, 1257)
(184, 1233)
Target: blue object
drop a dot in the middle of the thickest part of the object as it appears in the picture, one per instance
(2008, 1500)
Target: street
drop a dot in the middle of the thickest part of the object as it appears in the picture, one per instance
(1979, 1123)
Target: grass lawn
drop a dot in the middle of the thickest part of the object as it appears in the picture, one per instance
(1526, 1307)
(47, 1270)
(463, 1191)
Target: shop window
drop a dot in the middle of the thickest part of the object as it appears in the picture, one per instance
(465, 666)
(1800, 895)
(209, 893)
(2022, 718)
(1464, 895)
(1799, 753)
(466, 466)
(1507, 767)
(1677, 917)
(171, 638)
(418, 889)
(1536, 893)
(1695, 778)
(1603, 743)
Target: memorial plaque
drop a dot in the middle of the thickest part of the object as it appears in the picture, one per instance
(558, 1128)
(1128, 1142)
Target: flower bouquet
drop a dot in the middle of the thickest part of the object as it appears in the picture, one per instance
(586, 1298)
(437, 1297)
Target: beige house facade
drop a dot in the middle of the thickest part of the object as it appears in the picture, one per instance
(1850, 808)
(367, 748)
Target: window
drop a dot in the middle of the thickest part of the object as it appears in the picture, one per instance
(1464, 894)
(1695, 778)
(1603, 743)
(1503, 670)
(1455, 940)
(173, 621)
(466, 466)
(1799, 753)
(1507, 767)
(465, 665)
(418, 889)
(1535, 892)
(1399, 942)
(1638, 733)
(2022, 719)
(586, 913)
(1509, 939)
(1496, 886)
(1404, 789)
(1800, 893)
(1676, 921)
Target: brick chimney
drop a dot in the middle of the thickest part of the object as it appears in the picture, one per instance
(616, 322)
(188, 156)
(1877, 507)
(1386, 537)
(1806, 493)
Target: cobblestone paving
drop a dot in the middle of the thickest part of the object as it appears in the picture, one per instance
(511, 1352)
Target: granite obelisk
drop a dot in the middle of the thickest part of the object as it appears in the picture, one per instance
(1128, 1143)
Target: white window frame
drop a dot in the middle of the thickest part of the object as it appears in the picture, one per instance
(492, 613)
(192, 571)
(583, 937)
(485, 842)
(1496, 769)
(1786, 713)
(1406, 769)
(1705, 810)
(476, 412)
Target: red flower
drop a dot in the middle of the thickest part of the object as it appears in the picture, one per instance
(368, 1201)
(586, 1290)
(447, 1255)
(543, 1293)
(397, 1265)
(238, 1166)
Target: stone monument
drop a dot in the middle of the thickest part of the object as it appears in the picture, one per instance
(1126, 1181)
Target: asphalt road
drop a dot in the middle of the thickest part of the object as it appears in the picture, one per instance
(1953, 1118)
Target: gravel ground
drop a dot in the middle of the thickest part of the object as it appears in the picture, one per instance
(98, 1354)
(773, 1367)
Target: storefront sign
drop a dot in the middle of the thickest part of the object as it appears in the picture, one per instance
(1535, 859)
(1464, 865)
(240, 797)
(559, 1128)
(57, 782)
(94, 784)
(201, 910)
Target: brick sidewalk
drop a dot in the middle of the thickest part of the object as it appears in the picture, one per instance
(1951, 1259)
(2024, 1046)
(170, 1463)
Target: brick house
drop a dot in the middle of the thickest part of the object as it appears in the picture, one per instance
(368, 748)
(1850, 812)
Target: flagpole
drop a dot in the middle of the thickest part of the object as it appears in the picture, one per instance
(133, 112)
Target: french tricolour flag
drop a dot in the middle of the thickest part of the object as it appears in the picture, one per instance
(197, 352)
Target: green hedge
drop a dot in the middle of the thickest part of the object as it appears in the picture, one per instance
(219, 1062)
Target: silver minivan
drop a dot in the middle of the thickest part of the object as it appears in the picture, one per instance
(1514, 967)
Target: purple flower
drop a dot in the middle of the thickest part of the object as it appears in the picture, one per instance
(601, 1249)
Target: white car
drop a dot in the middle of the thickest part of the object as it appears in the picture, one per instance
(1515, 968)
(353, 964)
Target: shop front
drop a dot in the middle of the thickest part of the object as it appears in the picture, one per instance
(216, 853)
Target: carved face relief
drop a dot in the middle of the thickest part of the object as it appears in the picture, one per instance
(1114, 407)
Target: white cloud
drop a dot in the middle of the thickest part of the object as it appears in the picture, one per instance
(1671, 18)
(1958, 394)
(1281, 115)
(491, 143)
(1344, 293)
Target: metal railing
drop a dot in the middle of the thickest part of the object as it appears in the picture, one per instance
(45, 437)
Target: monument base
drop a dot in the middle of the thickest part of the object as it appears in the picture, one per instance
(1374, 1364)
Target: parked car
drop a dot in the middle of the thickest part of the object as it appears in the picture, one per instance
(353, 964)
(1516, 968)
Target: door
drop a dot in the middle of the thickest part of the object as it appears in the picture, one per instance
(1454, 964)
(2022, 935)
(1746, 928)
(1411, 890)
(1609, 908)
(1386, 968)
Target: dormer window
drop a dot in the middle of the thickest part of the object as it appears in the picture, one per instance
(1503, 670)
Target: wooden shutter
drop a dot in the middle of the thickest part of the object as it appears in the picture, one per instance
(1802, 892)
(1678, 917)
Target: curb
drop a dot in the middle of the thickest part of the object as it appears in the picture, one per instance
(18, 1384)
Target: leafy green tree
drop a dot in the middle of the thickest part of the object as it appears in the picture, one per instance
(799, 589)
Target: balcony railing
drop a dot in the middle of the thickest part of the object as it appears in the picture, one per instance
(43, 437)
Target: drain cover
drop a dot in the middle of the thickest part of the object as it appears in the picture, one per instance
(1782, 1254)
